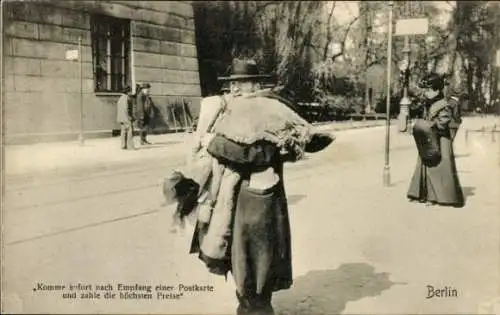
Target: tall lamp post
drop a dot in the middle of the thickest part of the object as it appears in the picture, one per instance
(387, 168)
(497, 63)
(411, 25)
(405, 102)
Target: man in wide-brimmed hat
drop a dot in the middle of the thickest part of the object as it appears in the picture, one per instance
(144, 111)
(243, 225)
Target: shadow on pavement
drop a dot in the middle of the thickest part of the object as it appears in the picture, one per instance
(159, 143)
(468, 191)
(155, 145)
(397, 183)
(293, 199)
(328, 291)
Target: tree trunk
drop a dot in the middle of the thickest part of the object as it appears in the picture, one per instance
(470, 88)
(479, 90)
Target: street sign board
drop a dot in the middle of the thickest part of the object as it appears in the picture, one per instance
(72, 54)
(406, 27)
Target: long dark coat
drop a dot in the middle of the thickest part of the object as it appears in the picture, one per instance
(261, 247)
(438, 184)
(260, 255)
(144, 108)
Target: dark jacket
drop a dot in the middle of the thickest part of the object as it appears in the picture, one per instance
(144, 107)
(253, 210)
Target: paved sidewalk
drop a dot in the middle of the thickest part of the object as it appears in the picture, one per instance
(61, 156)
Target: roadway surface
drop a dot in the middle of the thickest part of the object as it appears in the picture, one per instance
(358, 247)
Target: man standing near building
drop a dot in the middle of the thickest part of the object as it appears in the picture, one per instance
(125, 117)
(144, 112)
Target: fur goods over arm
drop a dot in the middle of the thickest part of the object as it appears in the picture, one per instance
(251, 119)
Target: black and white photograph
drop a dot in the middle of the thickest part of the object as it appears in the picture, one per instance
(250, 157)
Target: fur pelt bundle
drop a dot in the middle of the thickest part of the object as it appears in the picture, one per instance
(182, 191)
(250, 119)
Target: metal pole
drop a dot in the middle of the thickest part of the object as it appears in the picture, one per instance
(132, 58)
(405, 101)
(387, 168)
(80, 57)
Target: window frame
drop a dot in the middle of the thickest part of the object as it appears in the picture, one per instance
(110, 30)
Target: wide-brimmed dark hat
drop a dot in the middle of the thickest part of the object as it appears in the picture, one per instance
(432, 80)
(244, 69)
(146, 85)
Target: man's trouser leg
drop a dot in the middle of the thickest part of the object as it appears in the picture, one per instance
(253, 250)
(130, 136)
(143, 131)
(254, 305)
(123, 135)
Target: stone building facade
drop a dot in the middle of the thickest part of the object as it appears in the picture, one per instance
(122, 43)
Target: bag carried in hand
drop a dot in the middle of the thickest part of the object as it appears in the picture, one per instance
(427, 141)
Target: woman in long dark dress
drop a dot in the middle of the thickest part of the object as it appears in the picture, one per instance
(437, 184)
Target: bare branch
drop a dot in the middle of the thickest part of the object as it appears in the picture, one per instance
(367, 66)
(329, 31)
(342, 44)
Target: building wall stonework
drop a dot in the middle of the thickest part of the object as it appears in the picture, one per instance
(42, 89)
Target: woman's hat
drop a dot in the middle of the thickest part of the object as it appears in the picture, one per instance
(244, 70)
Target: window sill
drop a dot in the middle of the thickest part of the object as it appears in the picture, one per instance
(108, 93)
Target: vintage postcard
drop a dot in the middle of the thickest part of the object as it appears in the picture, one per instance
(250, 157)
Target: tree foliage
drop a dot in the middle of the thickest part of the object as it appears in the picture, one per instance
(314, 53)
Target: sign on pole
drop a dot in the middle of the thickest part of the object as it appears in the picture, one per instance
(498, 58)
(72, 54)
(405, 27)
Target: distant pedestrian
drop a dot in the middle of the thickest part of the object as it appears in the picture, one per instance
(436, 182)
(144, 112)
(124, 116)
